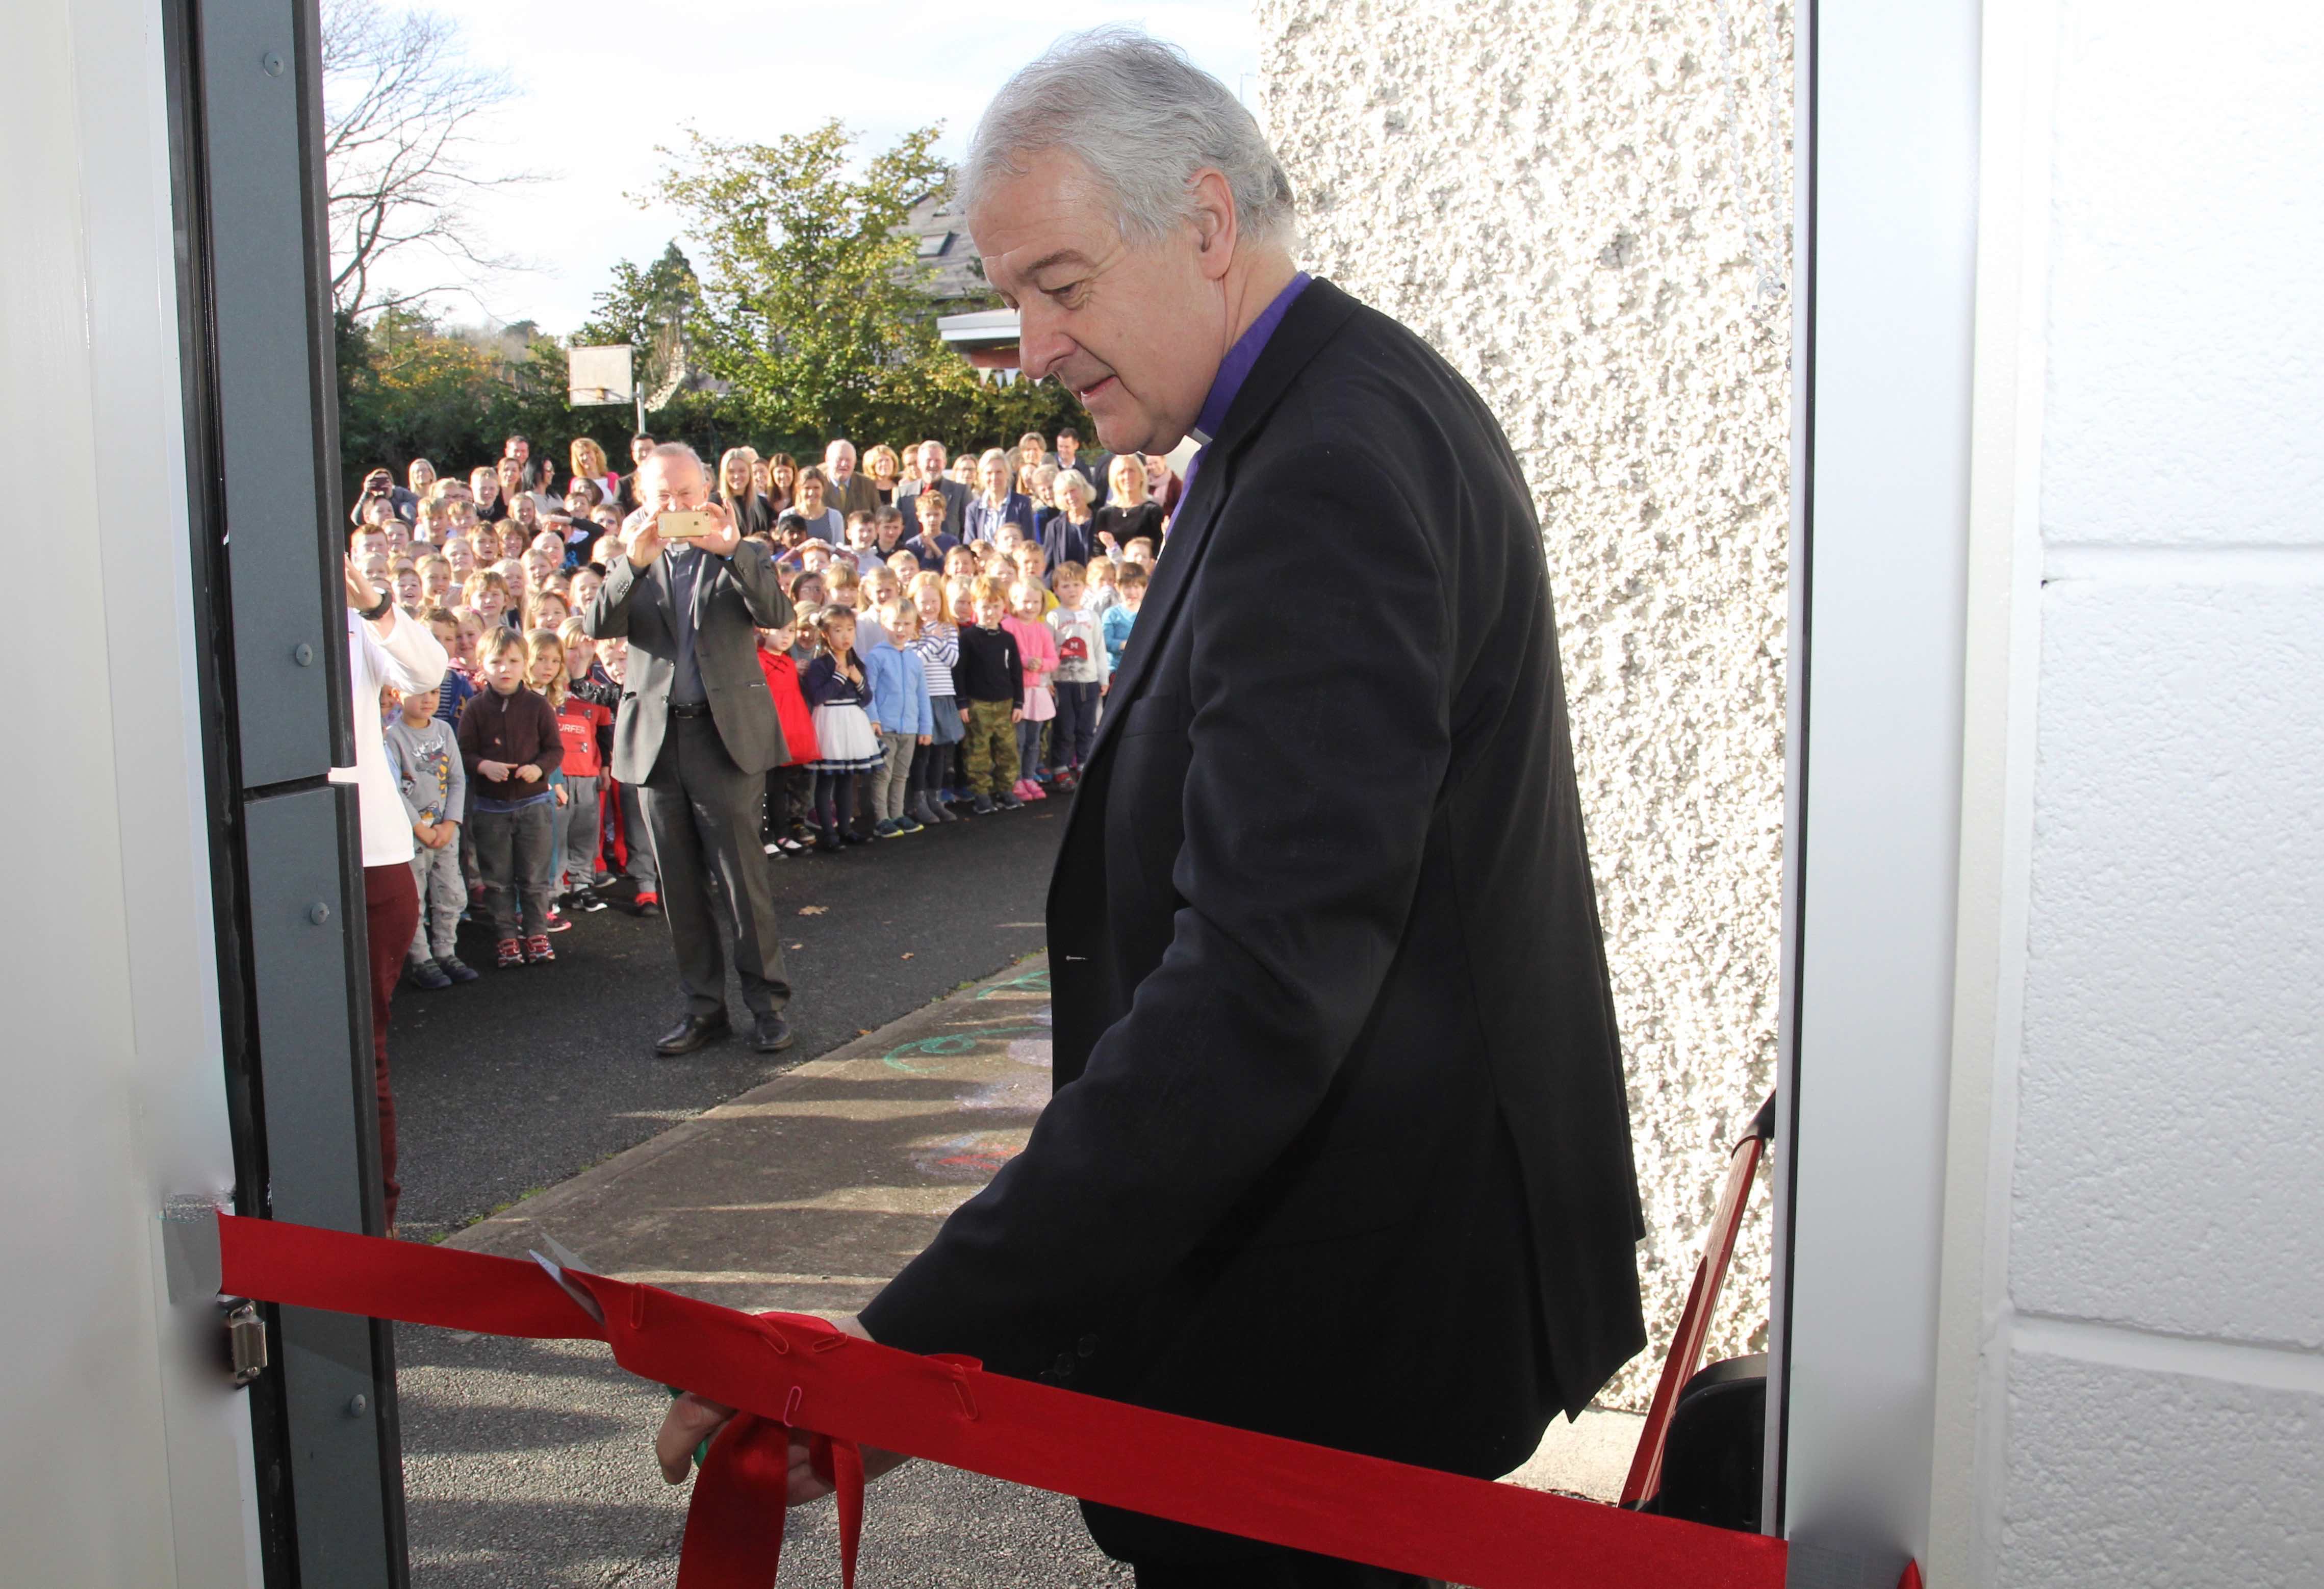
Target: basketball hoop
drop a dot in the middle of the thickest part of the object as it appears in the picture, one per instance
(597, 376)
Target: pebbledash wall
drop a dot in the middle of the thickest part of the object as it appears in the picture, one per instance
(1586, 210)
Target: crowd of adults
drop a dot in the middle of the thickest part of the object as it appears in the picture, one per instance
(948, 629)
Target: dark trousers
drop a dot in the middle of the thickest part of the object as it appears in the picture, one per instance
(1075, 729)
(790, 798)
(517, 850)
(1281, 1569)
(834, 803)
(391, 916)
(703, 812)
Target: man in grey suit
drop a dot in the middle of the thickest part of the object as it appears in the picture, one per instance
(696, 734)
(955, 495)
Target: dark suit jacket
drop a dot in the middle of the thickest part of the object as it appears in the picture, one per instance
(733, 598)
(1339, 1145)
(955, 495)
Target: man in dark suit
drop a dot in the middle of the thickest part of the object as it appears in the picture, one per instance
(696, 733)
(933, 478)
(1339, 1143)
(1089, 466)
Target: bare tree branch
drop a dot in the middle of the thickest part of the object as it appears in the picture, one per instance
(405, 137)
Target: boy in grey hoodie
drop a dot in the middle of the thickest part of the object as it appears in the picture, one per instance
(423, 751)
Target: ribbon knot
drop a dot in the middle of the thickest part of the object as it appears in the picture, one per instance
(734, 1523)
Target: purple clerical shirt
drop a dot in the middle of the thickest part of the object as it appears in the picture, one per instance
(1235, 369)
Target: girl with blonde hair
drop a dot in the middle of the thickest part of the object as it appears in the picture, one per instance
(938, 646)
(588, 461)
(738, 490)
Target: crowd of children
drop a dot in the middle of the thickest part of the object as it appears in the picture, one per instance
(954, 632)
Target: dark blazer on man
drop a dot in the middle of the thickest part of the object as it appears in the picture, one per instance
(1340, 1144)
(733, 598)
(955, 495)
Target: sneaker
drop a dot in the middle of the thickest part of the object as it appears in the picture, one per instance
(510, 953)
(457, 969)
(1066, 781)
(558, 921)
(1008, 802)
(1034, 791)
(828, 840)
(982, 805)
(589, 903)
(648, 902)
(904, 825)
(789, 845)
(772, 849)
(426, 973)
(853, 838)
(537, 951)
(886, 828)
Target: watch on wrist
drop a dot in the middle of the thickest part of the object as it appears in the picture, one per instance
(378, 609)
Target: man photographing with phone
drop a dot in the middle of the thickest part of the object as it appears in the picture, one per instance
(696, 733)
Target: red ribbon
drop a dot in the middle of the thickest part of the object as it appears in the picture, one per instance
(791, 1372)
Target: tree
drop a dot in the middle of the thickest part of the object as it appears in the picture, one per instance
(409, 387)
(650, 311)
(807, 292)
(812, 304)
(404, 116)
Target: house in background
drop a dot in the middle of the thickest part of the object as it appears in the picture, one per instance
(968, 317)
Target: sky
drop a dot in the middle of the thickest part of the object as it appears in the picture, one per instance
(602, 84)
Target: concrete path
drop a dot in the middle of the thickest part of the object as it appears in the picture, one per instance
(523, 1078)
(526, 1461)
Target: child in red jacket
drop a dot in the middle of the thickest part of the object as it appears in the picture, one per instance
(582, 723)
(790, 787)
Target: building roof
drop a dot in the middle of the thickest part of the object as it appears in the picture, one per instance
(942, 243)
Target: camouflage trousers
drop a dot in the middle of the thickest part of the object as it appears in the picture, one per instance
(989, 754)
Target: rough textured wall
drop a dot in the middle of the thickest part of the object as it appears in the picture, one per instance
(1548, 191)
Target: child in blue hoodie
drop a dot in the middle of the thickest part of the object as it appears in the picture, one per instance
(901, 715)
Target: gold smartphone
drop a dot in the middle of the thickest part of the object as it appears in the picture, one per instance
(682, 523)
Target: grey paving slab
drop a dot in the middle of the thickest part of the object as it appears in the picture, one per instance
(527, 1462)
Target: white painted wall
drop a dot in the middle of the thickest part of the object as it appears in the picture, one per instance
(123, 1456)
(2131, 1353)
(1575, 204)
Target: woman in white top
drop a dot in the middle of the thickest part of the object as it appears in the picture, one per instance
(385, 649)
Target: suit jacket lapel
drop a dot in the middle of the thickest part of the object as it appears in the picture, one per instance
(1313, 317)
